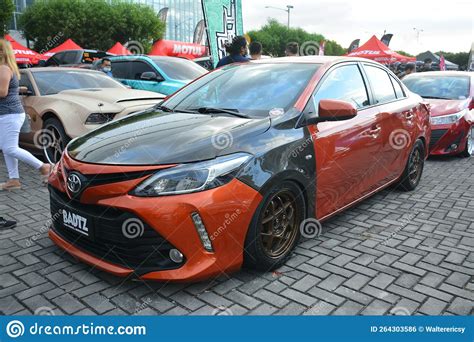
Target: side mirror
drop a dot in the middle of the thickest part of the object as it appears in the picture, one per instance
(333, 110)
(150, 76)
(24, 91)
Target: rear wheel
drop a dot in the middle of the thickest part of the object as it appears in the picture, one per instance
(275, 227)
(469, 150)
(414, 168)
(55, 140)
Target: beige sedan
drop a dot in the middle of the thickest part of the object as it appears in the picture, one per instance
(64, 103)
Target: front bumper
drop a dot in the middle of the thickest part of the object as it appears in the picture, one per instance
(449, 139)
(226, 212)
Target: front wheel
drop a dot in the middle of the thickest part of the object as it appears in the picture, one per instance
(414, 168)
(469, 150)
(55, 140)
(275, 227)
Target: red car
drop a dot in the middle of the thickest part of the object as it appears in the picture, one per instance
(236, 166)
(451, 97)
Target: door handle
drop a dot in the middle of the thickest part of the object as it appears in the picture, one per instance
(409, 115)
(373, 132)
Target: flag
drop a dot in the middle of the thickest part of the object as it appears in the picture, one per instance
(322, 45)
(442, 63)
(386, 38)
(354, 45)
(224, 21)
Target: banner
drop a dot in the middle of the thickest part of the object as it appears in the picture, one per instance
(199, 32)
(354, 45)
(223, 21)
(470, 66)
(386, 38)
(163, 14)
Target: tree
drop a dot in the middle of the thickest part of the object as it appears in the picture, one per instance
(274, 37)
(93, 24)
(459, 58)
(403, 53)
(6, 15)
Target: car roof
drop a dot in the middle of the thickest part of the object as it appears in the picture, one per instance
(311, 60)
(57, 69)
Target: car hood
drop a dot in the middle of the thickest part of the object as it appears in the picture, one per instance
(445, 107)
(113, 96)
(154, 138)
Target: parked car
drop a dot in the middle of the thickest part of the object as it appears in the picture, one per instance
(75, 58)
(236, 166)
(64, 103)
(451, 97)
(164, 75)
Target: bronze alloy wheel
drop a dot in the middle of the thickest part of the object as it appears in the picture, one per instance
(280, 224)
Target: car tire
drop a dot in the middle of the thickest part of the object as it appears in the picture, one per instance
(414, 168)
(469, 148)
(282, 211)
(54, 139)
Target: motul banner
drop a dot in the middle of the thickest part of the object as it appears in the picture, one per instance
(223, 21)
(178, 49)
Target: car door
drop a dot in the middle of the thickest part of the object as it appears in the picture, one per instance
(135, 70)
(347, 151)
(396, 119)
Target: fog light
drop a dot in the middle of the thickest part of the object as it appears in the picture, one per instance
(176, 256)
(453, 147)
(202, 232)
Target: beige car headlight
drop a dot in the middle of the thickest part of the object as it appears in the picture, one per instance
(99, 118)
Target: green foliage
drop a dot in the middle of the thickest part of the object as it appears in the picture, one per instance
(403, 53)
(93, 24)
(459, 58)
(6, 15)
(274, 37)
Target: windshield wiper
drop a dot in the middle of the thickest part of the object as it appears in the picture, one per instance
(169, 110)
(435, 98)
(211, 110)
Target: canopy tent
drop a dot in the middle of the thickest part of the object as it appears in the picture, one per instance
(178, 49)
(23, 55)
(67, 45)
(119, 49)
(435, 58)
(376, 50)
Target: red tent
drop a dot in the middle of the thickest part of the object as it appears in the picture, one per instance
(119, 49)
(67, 45)
(178, 49)
(376, 50)
(23, 55)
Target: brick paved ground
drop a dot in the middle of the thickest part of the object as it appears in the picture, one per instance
(394, 253)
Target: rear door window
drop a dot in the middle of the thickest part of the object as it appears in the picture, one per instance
(121, 69)
(381, 85)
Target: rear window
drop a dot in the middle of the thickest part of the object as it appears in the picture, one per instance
(439, 86)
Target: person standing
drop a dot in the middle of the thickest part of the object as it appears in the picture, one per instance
(106, 67)
(410, 68)
(427, 65)
(255, 49)
(237, 50)
(292, 50)
(12, 116)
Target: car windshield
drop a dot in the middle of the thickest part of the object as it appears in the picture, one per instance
(53, 82)
(439, 87)
(250, 89)
(180, 69)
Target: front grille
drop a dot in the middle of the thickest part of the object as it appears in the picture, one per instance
(145, 253)
(436, 134)
(107, 178)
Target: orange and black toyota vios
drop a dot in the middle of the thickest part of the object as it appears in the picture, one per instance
(451, 98)
(234, 167)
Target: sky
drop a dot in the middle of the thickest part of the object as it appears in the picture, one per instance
(417, 25)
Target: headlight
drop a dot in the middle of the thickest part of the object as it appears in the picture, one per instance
(447, 119)
(187, 178)
(99, 118)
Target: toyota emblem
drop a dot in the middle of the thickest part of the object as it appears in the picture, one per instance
(74, 183)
